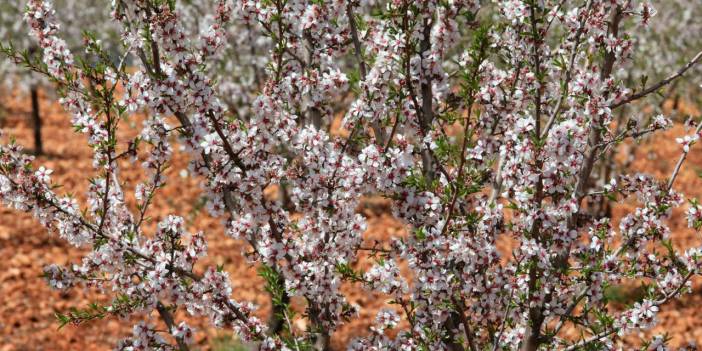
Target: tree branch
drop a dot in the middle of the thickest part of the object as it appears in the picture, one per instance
(170, 323)
(662, 83)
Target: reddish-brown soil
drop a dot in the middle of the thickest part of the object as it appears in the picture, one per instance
(27, 305)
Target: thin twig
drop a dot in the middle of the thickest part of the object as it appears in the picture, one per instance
(358, 52)
(662, 83)
(569, 75)
(681, 160)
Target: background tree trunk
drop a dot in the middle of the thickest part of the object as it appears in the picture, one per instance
(36, 121)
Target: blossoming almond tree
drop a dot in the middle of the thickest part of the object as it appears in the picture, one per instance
(17, 78)
(668, 41)
(482, 123)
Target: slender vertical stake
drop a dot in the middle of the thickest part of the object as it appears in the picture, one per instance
(36, 121)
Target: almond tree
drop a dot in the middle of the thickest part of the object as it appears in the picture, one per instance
(16, 78)
(481, 122)
(668, 40)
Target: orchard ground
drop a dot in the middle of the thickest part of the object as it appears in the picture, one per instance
(27, 304)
